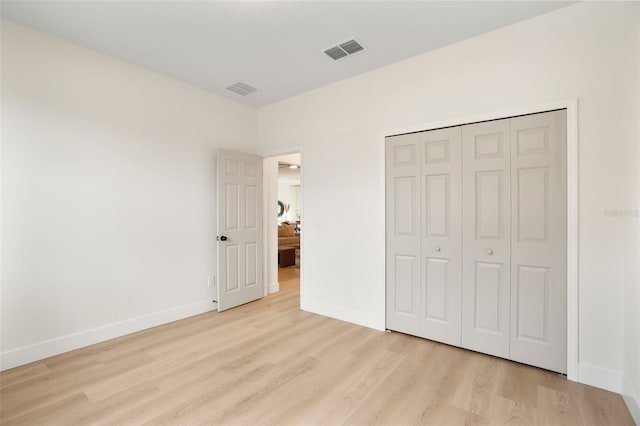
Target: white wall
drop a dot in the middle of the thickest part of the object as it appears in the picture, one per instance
(577, 51)
(108, 195)
(630, 220)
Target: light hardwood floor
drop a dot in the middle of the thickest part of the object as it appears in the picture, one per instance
(270, 363)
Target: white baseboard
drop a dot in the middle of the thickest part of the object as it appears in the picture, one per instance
(632, 399)
(599, 377)
(343, 314)
(273, 287)
(41, 350)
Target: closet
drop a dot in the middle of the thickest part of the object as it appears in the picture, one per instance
(476, 237)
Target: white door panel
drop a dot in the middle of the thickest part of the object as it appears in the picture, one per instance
(239, 185)
(441, 277)
(403, 235)
(436, 273)
(486, 237)
(538, 241)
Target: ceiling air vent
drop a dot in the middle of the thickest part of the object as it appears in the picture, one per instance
(351, 47)
(343, 49)
(335, 53)
(241, 88)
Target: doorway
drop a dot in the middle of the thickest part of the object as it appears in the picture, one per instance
(289, 221)
(283, 223)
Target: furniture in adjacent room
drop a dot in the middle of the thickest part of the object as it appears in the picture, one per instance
(287, 235)
(286, 256)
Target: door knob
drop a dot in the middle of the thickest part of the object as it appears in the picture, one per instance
(437, 248)
(489, 252)
(221, 238)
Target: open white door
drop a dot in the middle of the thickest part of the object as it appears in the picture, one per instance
(239, 190)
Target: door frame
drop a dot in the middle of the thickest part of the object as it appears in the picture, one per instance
(279, 153)
(571, 105)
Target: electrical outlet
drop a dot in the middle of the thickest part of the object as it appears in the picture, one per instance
(211, 282)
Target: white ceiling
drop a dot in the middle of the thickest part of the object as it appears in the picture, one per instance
(274, 46)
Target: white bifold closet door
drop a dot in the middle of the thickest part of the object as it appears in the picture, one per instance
(486, 239)
(476, 237)
(424, 234)
(441, 278)
(539, 240)
(403, 234)
(514, 256)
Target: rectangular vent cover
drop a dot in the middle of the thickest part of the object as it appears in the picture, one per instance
(343, 49)
(335, 53)
(241, 88)
(351, 47)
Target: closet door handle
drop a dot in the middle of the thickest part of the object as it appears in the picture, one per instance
(489, 252)
(437, 248)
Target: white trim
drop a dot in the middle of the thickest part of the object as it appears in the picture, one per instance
(282, 152)
(343, 314)
(58, 345)
(571, 105)
(631, 398)
(612, 381)
(302, 234)
(599, 377)
(273, 287)
(573, 357)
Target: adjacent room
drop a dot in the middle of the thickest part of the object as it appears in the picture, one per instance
(323, 212)
(289, 221)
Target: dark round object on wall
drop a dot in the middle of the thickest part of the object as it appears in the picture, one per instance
(280, 208)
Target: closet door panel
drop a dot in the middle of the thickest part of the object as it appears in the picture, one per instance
(441, 278)
(488, 304)
(538, 241)
(486, 237)
(403, 225)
